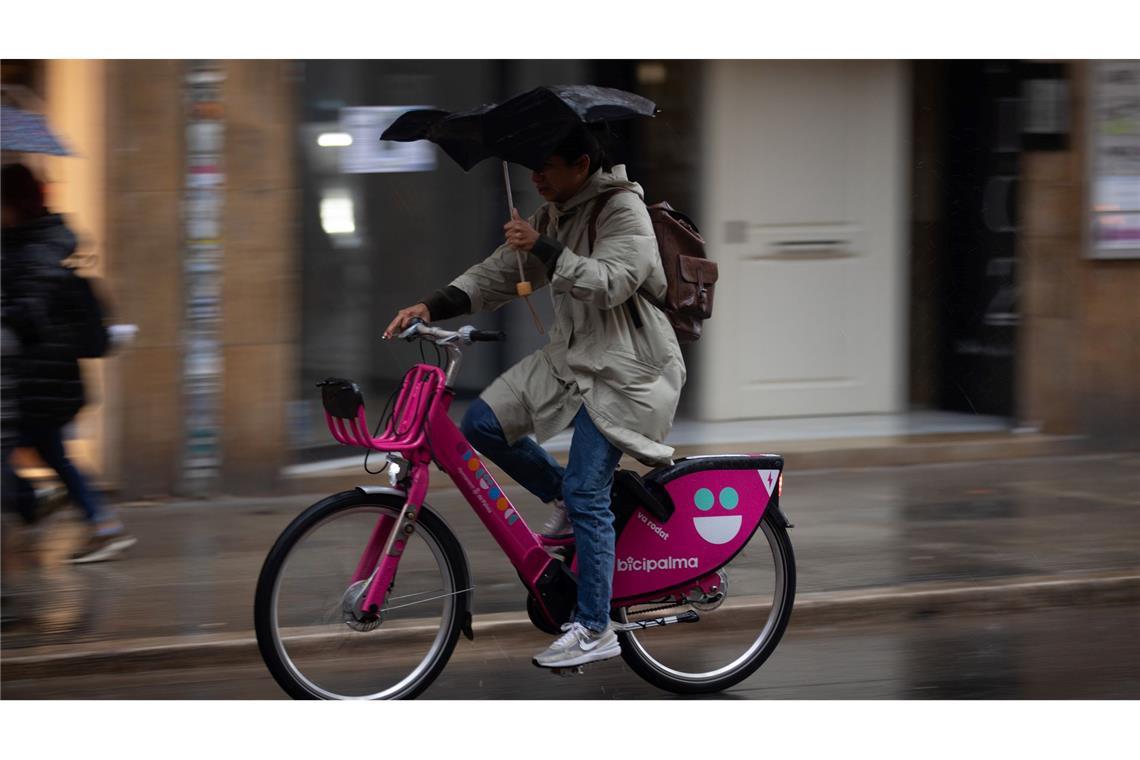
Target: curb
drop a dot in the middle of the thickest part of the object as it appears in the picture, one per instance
(843, 608)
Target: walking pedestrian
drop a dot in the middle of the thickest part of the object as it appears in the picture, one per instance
(33, 245)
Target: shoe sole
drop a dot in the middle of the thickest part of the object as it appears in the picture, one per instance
(105, 553)
(608, 653)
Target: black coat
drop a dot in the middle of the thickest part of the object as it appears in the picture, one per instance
(9, 389)
(36, 308)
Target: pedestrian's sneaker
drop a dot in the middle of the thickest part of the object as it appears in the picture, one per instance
(579, 646)
(99, 548)
(558, 524)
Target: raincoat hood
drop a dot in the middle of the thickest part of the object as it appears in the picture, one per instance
(599, 182)
(48, 237)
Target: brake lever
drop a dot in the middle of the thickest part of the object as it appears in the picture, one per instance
(410, 330)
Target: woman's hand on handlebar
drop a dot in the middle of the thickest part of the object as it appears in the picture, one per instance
(404, 318)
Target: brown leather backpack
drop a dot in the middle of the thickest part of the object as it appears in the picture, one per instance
(689, 275)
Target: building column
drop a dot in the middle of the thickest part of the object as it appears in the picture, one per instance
(144, 242)
(260, 306)
(1079, 352)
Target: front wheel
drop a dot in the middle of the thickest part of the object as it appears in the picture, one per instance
(734, 636)
(311, 641)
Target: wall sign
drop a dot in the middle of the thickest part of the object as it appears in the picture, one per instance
(203, 205)
(1114, 160)
(367, 154)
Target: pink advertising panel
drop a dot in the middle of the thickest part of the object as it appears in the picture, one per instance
(716, 513)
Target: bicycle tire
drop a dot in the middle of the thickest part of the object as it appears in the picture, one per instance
(428, 524)
(645, 666)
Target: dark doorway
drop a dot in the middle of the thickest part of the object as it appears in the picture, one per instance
(964, 311)
(979, 316)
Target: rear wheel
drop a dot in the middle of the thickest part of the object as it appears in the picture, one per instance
(733, 637)
(313, 640)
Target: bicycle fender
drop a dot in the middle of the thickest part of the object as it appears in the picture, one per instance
(382, 490)
(774, 506)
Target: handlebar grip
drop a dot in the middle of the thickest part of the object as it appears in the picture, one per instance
(487, 335)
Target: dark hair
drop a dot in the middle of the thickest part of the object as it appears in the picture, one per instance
(585, 141)
(22, 192)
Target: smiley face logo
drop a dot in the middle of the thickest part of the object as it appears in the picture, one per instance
(717, 528)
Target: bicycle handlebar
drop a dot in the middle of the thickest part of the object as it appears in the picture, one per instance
(466, 334)
(486, 335)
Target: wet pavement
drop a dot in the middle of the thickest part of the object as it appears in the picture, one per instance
(1087, 653)
(194, 569)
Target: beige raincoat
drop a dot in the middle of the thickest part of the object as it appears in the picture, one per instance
(629, 378)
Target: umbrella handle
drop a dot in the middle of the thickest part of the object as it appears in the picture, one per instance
(523, 287)
(510, 195)
(511, 213)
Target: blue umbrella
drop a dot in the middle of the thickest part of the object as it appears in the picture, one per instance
(27, 132)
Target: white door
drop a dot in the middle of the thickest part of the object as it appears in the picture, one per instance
(804, 209)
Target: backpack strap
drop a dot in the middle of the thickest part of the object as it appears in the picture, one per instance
(600, 204)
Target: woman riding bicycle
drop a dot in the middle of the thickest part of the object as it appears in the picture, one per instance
(612, 367)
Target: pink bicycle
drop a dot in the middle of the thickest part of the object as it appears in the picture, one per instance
(364, 595)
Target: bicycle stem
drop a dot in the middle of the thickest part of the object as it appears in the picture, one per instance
(455, 357)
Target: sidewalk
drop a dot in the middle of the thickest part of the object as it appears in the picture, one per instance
(808, 443)
(869, 542)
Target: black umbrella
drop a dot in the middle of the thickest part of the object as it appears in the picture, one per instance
(523, 130)
(459, 134)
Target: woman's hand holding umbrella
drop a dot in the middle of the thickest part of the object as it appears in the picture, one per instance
(519, 234)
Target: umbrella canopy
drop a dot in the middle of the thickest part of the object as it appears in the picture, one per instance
(523, 130)
(27, 132)
(459, 134)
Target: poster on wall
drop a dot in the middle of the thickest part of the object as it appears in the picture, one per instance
(1114, 164)
(203, 207)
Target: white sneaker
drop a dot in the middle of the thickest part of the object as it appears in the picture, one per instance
(100, 548)
(558, 524)
(579, 646)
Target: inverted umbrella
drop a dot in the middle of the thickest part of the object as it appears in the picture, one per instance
(459, 134)
(27, 132)
(524, 130)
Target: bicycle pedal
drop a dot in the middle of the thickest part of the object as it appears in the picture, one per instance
(576, 670)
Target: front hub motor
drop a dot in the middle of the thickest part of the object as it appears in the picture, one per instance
(355, 617)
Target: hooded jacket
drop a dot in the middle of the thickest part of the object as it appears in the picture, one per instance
(50, 386)
(629, 376)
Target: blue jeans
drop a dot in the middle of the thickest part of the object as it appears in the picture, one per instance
(47, 440)
(584, 485)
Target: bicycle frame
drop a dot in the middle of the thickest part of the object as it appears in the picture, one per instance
(422, 432)
(685, 556)
(677, 528)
